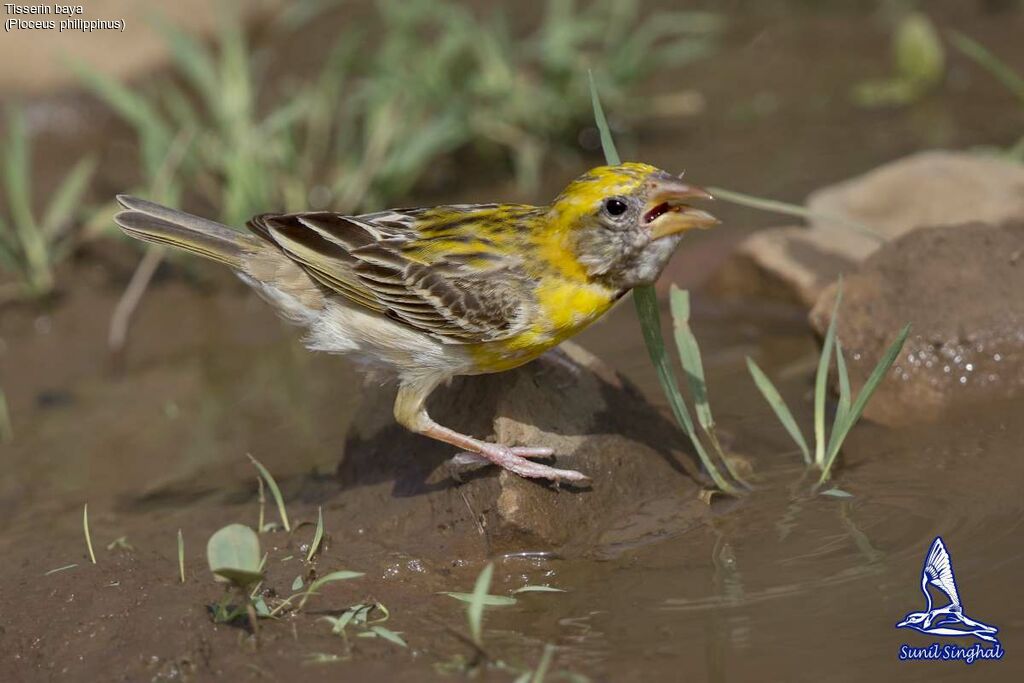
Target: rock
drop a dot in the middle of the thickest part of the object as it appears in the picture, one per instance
(933, 188)
(962, 288)
(568, 400)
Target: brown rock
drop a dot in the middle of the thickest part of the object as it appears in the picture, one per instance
(596, 422)
(962, 289)
(933, 188)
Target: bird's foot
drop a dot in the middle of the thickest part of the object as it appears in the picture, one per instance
(514, 459)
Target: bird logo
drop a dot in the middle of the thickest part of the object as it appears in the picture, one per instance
(949, 619)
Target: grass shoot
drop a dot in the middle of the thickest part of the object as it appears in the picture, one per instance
(848, 409)
(318, 535)
(181, 557)
(275, 491)
(233, 553)
(32, 246)
(88, 536)
(646, 302)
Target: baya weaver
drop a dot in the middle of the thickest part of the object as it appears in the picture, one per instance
(451, 290)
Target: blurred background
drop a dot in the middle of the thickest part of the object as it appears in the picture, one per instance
(130, 377)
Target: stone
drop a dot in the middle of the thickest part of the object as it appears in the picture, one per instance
(962, 289)
(644, 479)
(934, 188)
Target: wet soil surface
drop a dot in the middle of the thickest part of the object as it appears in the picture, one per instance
(780, 585)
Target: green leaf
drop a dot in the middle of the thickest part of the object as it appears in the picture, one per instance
(981, 55)
(778, 405)
(340, 575)
(475, 611)
(837, 493)
(274, 490)
(297, 583)
(388, 634)
(318, 535)
(68, 196)
(689, 354)
(489, 600)
(920, 58)
(873, 380)
(784, 208)
(611, 154)
(646, 302)
(541, 672)
(233, 554)
(821, 380)
(538, 589)
(181, 557)
(843, 408)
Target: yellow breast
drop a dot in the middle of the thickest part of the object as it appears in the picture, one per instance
(565, 307)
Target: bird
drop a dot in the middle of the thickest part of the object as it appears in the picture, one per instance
(463, 289)
(938, 572)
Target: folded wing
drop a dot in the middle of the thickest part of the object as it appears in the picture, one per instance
(376, 261)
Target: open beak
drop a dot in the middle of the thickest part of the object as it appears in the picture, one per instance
(667, 211)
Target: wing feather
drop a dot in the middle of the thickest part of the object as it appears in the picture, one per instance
(459, 294)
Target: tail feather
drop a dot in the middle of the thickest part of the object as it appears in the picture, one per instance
(158, 224)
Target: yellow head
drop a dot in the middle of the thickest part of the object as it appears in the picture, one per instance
(623, 222)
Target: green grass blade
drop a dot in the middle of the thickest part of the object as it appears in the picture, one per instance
(778, 405)
(88, 536)
(843, 409)
(985, 58)
(611, 154)
(541, 672)
(693, 365)
(181, 557)
(66, 199)
(646, 302)
(274, 491)
(873, 380)
(689, 354)
(475, 610)
(821, 381)
(340, 575)
(785, 208)
(318, 536)
(18, 182)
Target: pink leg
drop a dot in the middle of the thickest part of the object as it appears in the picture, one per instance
(410, 412)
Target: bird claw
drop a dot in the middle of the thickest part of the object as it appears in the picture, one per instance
(514, 459)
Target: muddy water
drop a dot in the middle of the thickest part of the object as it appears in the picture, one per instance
(780, 586)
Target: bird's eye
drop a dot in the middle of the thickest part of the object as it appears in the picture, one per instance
(615, 207)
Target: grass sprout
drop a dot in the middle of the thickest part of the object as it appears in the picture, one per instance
(477, 604)
(275, 491)
(61, 569)
(371, 627)
(646, 302)
(32, 246)
(919, 65)
(233, 553)
(181, 557)
(849, 408)
(318, 535)
(1002, 72)
(88, 536)
(690, 357)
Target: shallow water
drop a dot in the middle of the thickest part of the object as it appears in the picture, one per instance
(779, 586)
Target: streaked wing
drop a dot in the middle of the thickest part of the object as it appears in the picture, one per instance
(939, 570)
(458, 294)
